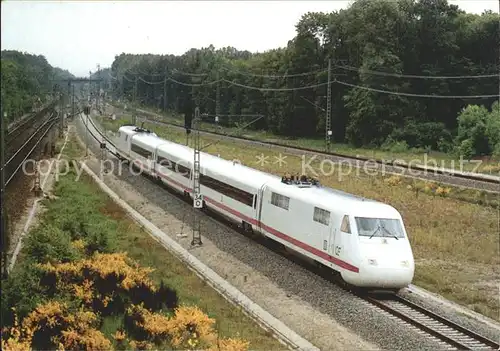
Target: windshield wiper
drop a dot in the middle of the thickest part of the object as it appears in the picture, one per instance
(388, 232)
(376, 230)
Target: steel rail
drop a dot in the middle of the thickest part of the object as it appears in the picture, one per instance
(26, 120)
(432, 323)
(27, 141)
(54, 120)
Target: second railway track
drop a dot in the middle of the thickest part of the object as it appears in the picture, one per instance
(484, 182)
(18, 156)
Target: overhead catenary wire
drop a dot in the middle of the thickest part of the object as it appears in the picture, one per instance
(249, 74)
(418, 95)
(382, 91)
(397, 75)
(319, 71)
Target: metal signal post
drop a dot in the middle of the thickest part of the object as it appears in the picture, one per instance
(197, 196)
(86, 111)
(328, 124)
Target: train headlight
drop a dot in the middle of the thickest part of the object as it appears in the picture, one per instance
(405, 263)
(372, 261)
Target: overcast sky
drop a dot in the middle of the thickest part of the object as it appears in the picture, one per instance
(77, 35)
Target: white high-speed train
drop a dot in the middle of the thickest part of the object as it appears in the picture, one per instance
(364, 240)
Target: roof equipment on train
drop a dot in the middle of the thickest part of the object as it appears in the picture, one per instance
(301, 181)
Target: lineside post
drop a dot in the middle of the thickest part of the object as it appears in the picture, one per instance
(328, 122)
(98, 86)
(165, 93)
(73, 103)
(197, 196)
(63, 108)
(3, 212)
(103, 155)
(86, 111)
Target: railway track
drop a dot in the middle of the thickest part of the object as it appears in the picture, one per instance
(434, 326)
(17, 129)
(477, 181)
(16, 160)
(454, 335)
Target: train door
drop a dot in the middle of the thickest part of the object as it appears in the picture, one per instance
(154, 165)
(343, 236)
(332, 238)
(259, 203)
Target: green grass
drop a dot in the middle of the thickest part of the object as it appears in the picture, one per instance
(455, 242)
(76, 204)
(416, 156)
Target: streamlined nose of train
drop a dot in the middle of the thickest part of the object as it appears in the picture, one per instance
(371, 274)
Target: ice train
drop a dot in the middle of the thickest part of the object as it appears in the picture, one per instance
(365, 241)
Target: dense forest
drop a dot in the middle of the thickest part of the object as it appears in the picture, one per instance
(422, 73)
(26, 82)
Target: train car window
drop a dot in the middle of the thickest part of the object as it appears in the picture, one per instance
(140, 151)
(228, 190)
(321, 216)
(280, 200)
(255, 201)
(346, 226)
(126, 137)
(177, 168)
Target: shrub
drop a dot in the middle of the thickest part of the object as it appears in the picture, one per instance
(393, 180)
(473, 128)
(100, 236)
(191, 328)
(443, 191)
(49, 243)
(22, 289)
(496, 152)
(466, 149)
(422, 135)
(53, 325)
(108, 283)
(395, 146)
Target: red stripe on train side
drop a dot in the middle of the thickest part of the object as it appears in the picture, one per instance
(232, 211)
(271, 230)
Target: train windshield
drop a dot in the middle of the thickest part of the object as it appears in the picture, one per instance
(379, 227)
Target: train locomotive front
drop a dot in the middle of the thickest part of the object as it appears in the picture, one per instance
(383, 252)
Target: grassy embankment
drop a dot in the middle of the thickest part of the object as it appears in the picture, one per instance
(416, 156)
(455, 242)
(82, 220)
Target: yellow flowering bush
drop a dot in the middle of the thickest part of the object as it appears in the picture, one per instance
(99, 282)
(430, 187)
(51, 325)
(79, 245)
(16, 338)
(105, 266)
(141, 345)
(190, 328)
(443, 191)
(107, 281)
(393, 180)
